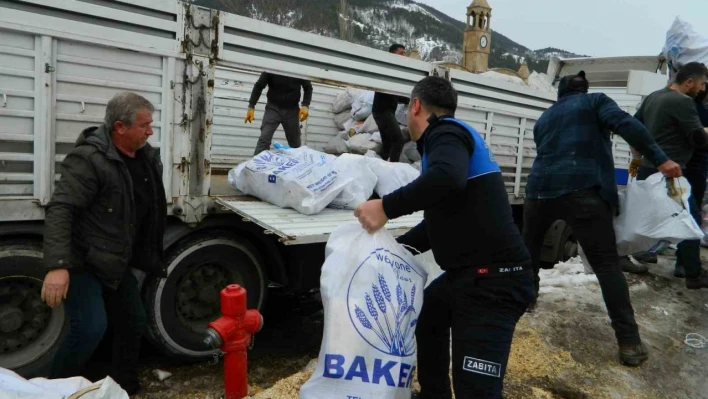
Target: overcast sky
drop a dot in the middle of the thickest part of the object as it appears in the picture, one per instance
(591, 27)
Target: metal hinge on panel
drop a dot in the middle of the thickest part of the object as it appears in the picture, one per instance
(48, 68)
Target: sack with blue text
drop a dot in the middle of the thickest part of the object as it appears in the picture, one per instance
(372, 292)
(305, 183)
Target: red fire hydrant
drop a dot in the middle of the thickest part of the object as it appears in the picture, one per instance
(232, 332)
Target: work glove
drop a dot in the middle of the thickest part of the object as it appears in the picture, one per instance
(250, 115)
(634, 165)
(304, 113)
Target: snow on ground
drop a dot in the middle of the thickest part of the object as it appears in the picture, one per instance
(414, 8)
(570, 274)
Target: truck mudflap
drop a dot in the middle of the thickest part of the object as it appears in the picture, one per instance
(294, 228)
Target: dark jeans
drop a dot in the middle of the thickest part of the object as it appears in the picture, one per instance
(591, 218)
(89, 305)
(482, 312)
(275, 116)
(391, 136)
(688, 254)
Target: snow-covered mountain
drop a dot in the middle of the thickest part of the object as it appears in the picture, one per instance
(378, 23)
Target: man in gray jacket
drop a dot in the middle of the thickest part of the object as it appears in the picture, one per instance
(106, 215)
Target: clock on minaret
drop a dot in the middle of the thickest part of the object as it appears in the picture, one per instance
(478, 37)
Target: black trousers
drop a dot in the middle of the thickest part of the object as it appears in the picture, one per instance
(688, 254)
(481, 311)
(89, 306)
(273, 117)
(591, 218)
(391, 136)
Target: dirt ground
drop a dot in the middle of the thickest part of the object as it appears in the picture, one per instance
(565, 349)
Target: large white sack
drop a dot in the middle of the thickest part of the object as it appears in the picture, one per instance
(362, 185)
(392, 175)
(683, 45)
(371, 290)
(307, 186)
(410, 153)
(345, 100)
(14, 386)
(361, 143)
(649, 215)
(402, 114)
(361, 108)
(341, 118)
(369, 126)
(337, 144)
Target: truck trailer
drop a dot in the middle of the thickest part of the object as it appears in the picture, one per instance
(62, 60)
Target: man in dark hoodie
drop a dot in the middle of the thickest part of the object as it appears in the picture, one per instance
(281, 109)
(384, 111)
(107, 214)
(573, 179)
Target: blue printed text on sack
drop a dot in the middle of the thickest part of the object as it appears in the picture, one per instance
(391, 373)
(395, 265)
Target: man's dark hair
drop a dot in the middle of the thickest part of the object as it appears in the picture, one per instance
(394, 47)
(437, 95)
(692, 70)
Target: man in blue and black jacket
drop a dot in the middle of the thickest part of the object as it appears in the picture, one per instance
(573, 179)
(488, 283)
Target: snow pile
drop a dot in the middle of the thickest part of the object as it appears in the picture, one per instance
(541, 81)
(567, 275)
(507, 78)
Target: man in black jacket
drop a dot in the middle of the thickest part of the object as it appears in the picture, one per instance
(384, 111)
(106, 215)
(282, 108)
(468, 224)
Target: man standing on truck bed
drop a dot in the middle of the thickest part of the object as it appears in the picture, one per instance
(107, 215)
(671, 116)
(282, 108)
(573, 179)
(488, 283)
(384, 112)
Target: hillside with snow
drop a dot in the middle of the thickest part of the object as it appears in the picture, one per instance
(379, 23)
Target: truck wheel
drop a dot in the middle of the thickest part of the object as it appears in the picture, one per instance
(30, 331)
(558, 245)
(180, 306)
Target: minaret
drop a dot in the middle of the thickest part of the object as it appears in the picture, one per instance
(478, 37)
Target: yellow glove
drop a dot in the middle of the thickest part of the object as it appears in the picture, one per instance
(304, 113)
(250, 115)
(634, 165)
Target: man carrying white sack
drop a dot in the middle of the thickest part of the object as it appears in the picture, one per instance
(573, 179)
(468, 224)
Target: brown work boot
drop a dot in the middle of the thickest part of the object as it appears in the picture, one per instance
(633, 355)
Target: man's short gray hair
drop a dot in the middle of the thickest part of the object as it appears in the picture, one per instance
(123, 107)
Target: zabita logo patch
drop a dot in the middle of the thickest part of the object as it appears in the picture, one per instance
(480, 366)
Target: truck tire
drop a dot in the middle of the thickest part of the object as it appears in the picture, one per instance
(558, 245)
(180, 306)
(30, 331)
